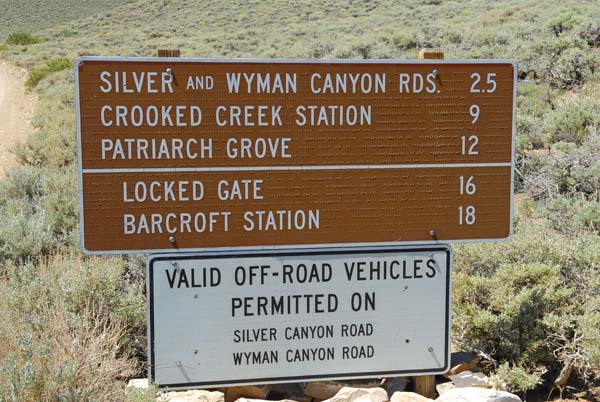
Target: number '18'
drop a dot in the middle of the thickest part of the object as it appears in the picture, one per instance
(466, 215)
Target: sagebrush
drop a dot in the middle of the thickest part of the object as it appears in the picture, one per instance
(528, 306)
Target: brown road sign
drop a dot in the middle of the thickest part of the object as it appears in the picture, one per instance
(186, 154)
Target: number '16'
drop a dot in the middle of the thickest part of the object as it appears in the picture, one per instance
(467, 186)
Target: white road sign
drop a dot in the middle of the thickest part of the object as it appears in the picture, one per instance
(267, 317)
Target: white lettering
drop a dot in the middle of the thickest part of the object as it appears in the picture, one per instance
(104, 77)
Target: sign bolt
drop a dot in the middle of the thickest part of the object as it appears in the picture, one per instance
(432, 232)
(171, 239)
(435, 72)
(430, 349)
(195, 296)
(170, 71)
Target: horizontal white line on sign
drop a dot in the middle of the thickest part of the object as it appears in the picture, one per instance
(276, 168)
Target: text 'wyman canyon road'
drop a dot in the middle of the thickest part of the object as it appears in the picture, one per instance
(289, 314)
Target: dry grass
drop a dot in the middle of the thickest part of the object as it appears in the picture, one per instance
(56, 349)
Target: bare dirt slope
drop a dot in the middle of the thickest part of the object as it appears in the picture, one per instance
(15, 113)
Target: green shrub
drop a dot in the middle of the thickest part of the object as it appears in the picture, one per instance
(61, 203)
(572, 68)
(572, 216)
(588, 216)
(572, 120)
(24, 232)
(563, 62)
(574, 173)
(364, 50)
(52, 66)
(53, 143)
(343, 52)
(22, 38)
(534, 99)
(585, 167)
(516, 378)
(63, 337)
(38, 209)
(530, 303)
(591, 33)
(405, 40)
(523, 141)
(142, 394)
(563, 23)
(21, 184)
(68, 32)
(51, 148)
(25, 235)
(530, 135)
(512, 311)
(590, 330)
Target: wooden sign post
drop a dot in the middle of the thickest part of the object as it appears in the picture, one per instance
(425, 384)
(168, 53)
(429, 53)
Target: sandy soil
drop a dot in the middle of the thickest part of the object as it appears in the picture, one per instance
(15, 113)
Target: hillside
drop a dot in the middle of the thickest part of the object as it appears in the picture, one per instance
(34, 16)
(75, 326)
(302, 29)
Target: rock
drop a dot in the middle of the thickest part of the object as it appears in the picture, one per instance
(289, 391)
(475, 394)
(470, 379)
(246, 391)
(462, 361)
(348, 394)
(192, 396)
(138, 383)
(327, 389)
(322, 389)
(409, 397)
(395, 384)
(444, 387)
(262, 400)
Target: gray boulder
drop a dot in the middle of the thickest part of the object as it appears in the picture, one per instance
(476, 394)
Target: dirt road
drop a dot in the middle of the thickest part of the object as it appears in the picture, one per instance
(15, 113)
